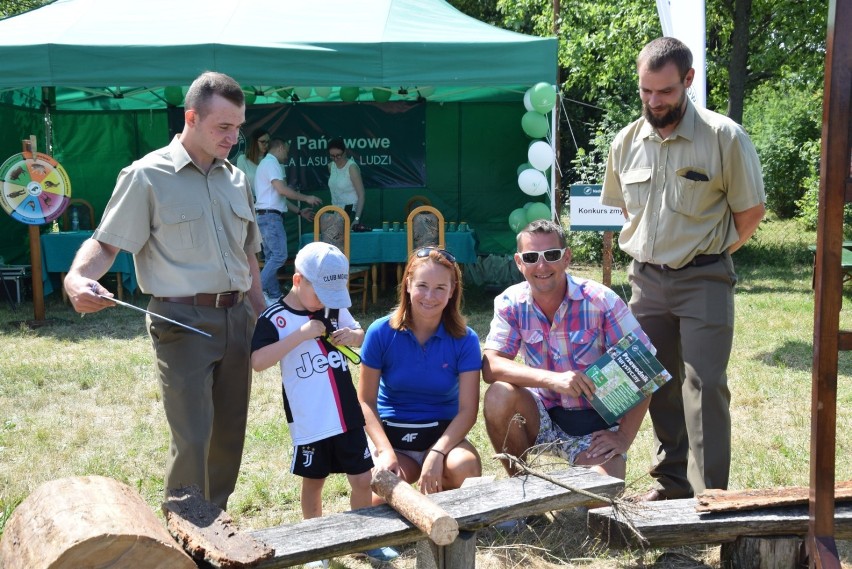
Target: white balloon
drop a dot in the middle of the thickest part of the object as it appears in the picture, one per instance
(303, 92)
(323, 92)
(527, 102)
(532, 182)
(540, 155)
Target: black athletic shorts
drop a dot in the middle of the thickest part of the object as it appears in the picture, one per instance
(347, 453)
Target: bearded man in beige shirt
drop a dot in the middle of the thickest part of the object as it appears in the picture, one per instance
(689, 183)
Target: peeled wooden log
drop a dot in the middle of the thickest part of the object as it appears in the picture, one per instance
(208, 533)
(430, 518)
(87, 521)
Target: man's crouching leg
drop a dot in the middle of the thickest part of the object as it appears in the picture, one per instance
(512, 421)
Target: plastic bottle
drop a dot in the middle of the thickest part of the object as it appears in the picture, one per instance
(75, 220)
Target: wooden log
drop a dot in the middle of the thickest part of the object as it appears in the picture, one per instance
(432, 520)
(87, 521)
(763, 553)
(670, 523)
(728, 500)
(208, 533)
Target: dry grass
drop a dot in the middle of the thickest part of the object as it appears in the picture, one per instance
(79, 396)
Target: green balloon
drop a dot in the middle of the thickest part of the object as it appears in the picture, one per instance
(534, 124)
(536, 211)
(284, 94)
(173, 95)
(524, 166)
(542, 97)
(349, 94)
(517, 219)
(381, 94)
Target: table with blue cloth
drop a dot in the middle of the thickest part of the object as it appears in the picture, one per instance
(379, 246)
(57, 254)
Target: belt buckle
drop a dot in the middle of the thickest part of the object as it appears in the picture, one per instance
(222, 295)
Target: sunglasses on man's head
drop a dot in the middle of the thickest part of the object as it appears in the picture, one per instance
(533, 257)
(425, 251)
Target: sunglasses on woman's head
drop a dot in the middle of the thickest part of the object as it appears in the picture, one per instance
(425, 251)
(551, 256)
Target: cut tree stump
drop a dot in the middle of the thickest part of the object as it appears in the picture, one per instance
(87, 521)
(208, 533)
(782, 552)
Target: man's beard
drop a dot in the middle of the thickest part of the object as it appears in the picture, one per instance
(673, 116)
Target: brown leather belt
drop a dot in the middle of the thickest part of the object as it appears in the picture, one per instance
(697, 261)
(220, 300)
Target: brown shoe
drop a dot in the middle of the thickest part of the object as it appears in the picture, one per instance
(652, 495)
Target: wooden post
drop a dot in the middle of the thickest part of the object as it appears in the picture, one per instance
(834, 192)
(762, 552)
(30, 145)
(461, 554)
(606, 259)
(430, 518)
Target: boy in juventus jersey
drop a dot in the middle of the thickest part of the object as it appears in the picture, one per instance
(302, 331)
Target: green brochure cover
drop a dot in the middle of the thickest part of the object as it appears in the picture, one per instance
(625, 375)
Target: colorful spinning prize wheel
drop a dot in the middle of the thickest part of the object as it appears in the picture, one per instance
(35, 189)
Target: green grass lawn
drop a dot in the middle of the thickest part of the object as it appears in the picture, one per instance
(79, 396)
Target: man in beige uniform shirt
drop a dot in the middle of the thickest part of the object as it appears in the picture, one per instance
(690, 185)
(186, 214)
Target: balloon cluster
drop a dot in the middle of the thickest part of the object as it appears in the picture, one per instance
(539, 100)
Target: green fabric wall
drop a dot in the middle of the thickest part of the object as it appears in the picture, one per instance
(473, 151)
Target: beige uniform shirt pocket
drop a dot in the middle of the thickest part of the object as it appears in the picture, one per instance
(183, 227)
(636, 186)
(243, 217)
(687, 197)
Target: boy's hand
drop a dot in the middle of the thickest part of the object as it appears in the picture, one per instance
(344, 337)
(313, 328)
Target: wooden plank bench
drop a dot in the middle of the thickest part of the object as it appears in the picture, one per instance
(672, 523)
(474, 508)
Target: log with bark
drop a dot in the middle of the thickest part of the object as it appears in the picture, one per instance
(735, 500)
(440, 526)
(87, 521)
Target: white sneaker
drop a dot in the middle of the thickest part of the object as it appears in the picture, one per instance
(322, 563)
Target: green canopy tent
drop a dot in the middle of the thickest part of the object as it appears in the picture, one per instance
(90, 79)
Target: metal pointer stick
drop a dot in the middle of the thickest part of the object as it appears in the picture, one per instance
(128, 305)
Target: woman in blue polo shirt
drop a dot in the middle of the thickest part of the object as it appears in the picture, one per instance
(419, 382)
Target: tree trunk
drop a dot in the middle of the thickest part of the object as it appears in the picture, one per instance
(87, 521)
(738, 69)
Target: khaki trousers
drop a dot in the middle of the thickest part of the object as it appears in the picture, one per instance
(205, 385)
(689, 317)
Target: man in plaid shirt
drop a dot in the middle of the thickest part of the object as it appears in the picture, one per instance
(559, 324)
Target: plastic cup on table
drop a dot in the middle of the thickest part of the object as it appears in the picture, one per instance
(451, 227)
(396, 226)
(463, 226)
(385, 226)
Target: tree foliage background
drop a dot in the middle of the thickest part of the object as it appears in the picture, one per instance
(765, 62)
(759, 52)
